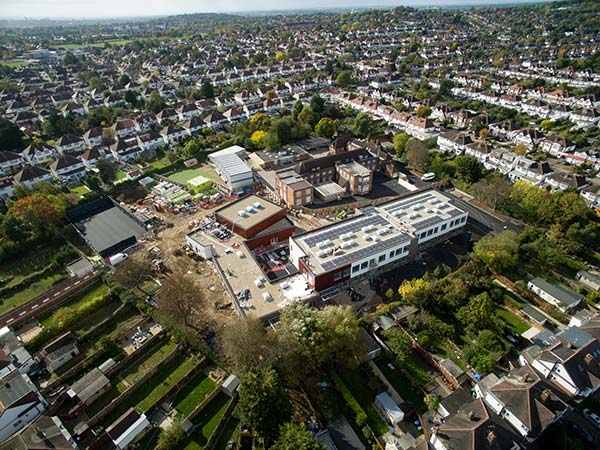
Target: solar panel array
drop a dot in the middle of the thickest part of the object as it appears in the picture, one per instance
(352, 227)
(365, 252)
(426, 222)
(408, 203)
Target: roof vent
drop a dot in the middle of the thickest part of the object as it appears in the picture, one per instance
(323, 244)
(242, 213)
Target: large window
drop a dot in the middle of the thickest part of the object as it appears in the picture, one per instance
(381, 258)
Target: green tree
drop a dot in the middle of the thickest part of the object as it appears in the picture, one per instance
(107, 170)
(423, 111)
(155, 103)
(123, 80)
(130, 97)
(206, 89)
(298, 107)
(70, 59)
(432, 401)
(399, 343)
(317, 104)
(499, 252)
(493, 190)
(468, 168)
(400, 141)
(417, 155)
(362, 125)
(478, 313)
(173, 437)
(271, 141)
(308, 116)
(344, 78)
(296, 437)
(11, 136)
(263, 402)
(326, 127)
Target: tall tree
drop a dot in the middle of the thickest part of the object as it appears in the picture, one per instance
(248, 344)
(11, 137)
(295, 437)
(107, 170)
(326, 127)
(416, 154)
(362, 125)
(498, 251)
(206, 89)
(182, 305)
(263, 402)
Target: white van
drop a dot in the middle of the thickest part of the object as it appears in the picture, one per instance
(429, 176)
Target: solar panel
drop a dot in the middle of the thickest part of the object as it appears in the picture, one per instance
(426, 223)
(364, 253)
(351, 227)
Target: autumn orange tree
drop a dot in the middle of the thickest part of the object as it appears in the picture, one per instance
(37, 211)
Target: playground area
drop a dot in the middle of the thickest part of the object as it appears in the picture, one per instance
(275, 262)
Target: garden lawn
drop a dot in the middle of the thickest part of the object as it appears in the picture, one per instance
(80, 190)
(357, 383)
(175, 371)
(78, 301)
(514, 322)
(161, 163)
(230, 433)
(120, 175)
(134, 372)
(37, 288)
(192, 394)
(207, 421)
(401, 384)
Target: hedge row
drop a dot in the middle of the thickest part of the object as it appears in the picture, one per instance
(360, 414)
(70, 316)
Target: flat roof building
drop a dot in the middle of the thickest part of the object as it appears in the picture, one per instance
(232, 169)
(375, 241)
(249, 215)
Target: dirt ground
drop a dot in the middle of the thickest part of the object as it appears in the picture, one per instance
(171, 241)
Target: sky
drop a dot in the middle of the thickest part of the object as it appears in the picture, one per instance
(137, 8)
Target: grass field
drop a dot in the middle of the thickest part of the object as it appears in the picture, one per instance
(401, 384)
(37, 288)
(94, 44)
(78, 301)
(14, 64)
(120, 175)
(186, 175)
(357, 383)
(207, 421)
(192, 394)
(514, 322)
